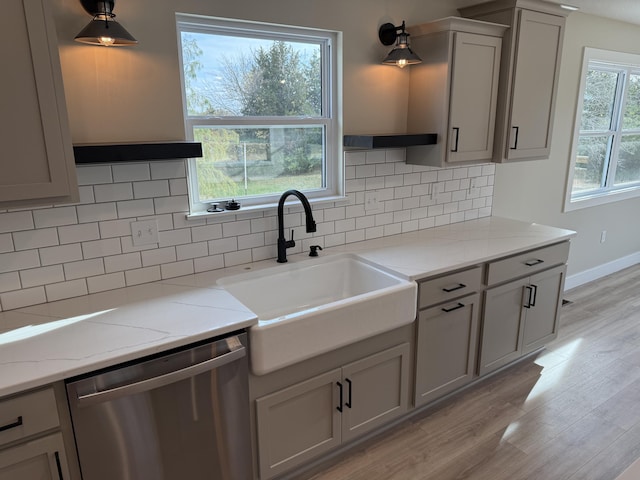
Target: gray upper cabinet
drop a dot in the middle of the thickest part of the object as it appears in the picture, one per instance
(38, 165)
(528, 77)
(454, 91)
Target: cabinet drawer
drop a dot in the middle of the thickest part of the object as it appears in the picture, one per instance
(25, 415)
(447, 287)
(527, 263)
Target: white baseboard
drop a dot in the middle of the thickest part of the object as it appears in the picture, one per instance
(603, 270)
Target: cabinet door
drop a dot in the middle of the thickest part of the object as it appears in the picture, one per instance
(446, 348)
(298, 423)
(501, 325)
(40, 459)
(541, 320)
(536, 69)
(38, 163)
(375, 390)
(474, 88)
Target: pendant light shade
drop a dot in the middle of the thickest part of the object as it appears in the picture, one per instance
(103, 29)
(401, 55)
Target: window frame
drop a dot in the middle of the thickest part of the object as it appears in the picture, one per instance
(330, 119)
(606, 60)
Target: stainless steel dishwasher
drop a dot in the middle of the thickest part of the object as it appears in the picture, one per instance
(180, 415)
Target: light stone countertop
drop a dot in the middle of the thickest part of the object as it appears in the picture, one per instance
(53, 341)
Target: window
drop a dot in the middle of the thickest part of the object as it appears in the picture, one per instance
(605, 163)
(263, 101)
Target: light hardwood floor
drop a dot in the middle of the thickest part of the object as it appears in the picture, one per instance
(572, 412)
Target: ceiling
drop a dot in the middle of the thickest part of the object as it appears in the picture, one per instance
(624, 10)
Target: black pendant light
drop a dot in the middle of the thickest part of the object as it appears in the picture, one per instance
(103, 29)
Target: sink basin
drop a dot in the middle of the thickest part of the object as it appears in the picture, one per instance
(311, 307)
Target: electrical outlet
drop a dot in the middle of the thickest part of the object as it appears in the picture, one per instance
(371, 201)
(603, 236)
(144, 232)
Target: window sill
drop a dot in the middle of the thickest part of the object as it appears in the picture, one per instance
(601, 199)
(322, 202)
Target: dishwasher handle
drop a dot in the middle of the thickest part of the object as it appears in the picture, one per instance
(236, 352)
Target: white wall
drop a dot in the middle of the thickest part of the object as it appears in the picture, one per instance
(534, 191)
(133, 94)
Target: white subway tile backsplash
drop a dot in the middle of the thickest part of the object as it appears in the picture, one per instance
(142, 275)
(83, 268)
(115, 228)
(125, 261)
(94, 174)
(376, 156)
(355, 158)
(250, 241)
(212, 262)
(223, 245)
(233, 229)
(154, 188)
(96, 212)
(460, 173)
(475, 171)
(96, 252)
(9, 281)
(171, 204)
(177, 269)
(331, 214)
(113, 192)
(178, 186)
(158, 256)
(78, 233)
(237, 257)
(6, 243)
(14, 261)
(101, 248)
(208, 232)
(174, 237)
(354, 236)
(61, 254)
(41, 276)
(168, 169)
(60, 291)
(135, 208)
(22, 298)
(131, 172)
(86, 194)
(15, 221)
(55, 217)
(192, 250)
(128, 246)
(102, 283)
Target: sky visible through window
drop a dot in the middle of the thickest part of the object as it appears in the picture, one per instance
(215, 48)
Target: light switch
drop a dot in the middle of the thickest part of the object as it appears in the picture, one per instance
(144, 232)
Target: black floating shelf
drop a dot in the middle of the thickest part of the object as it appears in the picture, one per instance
(135, 152)
(390, 141)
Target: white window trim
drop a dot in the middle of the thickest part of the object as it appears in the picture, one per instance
(332, 70)
(601, 197)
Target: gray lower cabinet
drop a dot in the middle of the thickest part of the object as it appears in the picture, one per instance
(300, 422)
(447, 336)
(41, 459)
(32, 445)
(519, 317)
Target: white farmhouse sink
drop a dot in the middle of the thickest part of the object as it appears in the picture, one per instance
(314, 306)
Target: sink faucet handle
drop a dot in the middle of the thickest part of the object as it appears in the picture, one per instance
(290, 243)
(314, 250)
